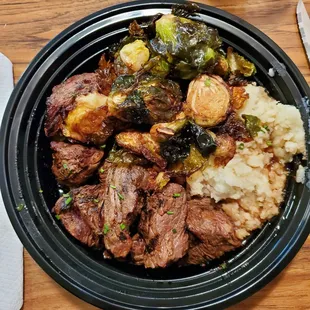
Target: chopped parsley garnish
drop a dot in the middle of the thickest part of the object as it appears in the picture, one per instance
(57, 217)
(105, 229)
(223, 266)
(170, 212)
(96, 200)
(174, 230)
(208, 82)
(40, 191)
(68, 201)
(175, 195)
(269, 143)
(241, 146)
(65, 166)
(120, 196)
(20, 207)
(266, 127)
(66, 195)
(101, 170)
(102, 146)
(122, 226)
(113, 186)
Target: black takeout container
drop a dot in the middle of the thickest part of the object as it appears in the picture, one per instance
(26, 160)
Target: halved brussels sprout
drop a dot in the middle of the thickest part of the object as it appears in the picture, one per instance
(135, 55)
(190, 164)
(239, 65)
(141, 144)
(189, 45)
(208, 100)
(163, 131)
(145, 99)
(177, 148)
(225, 149)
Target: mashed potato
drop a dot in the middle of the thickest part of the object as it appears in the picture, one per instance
(284, 121)
(251, 185)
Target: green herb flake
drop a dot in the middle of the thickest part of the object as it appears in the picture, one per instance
(266, 127)
(65, 166)
(103, 146)
(20, 207)
(223, 266)
(40, 191)
(269, 143)
(96, 200)
(113, 186)
(58, 217)
(122, 226)
(68, 201)
(208, 82)
(105, 229)
(66, 195)
(176, 195)
(241, 146)
(174, 230)
(170, 212)
(101, 170)
(120, 196)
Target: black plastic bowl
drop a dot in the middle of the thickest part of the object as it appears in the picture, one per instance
(26, 160)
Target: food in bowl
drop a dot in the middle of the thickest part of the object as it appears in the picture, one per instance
(169, 153)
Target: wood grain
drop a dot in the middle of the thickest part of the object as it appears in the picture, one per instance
(26, 26)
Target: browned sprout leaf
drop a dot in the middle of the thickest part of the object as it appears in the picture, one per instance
(141, 144)
(239, 96)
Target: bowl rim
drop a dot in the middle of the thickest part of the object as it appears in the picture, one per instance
(302, 231)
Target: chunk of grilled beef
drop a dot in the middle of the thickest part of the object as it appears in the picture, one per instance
(138, 250)
(82, 212)
(125, 187)
(62, 99)
(73, 164)
(213, 229)
(162, 226)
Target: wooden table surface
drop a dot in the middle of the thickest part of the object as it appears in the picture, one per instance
(27, 25)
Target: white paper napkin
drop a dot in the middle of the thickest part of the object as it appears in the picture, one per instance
(11, 250)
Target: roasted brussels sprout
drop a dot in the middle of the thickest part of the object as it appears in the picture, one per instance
(189, 45)
(208, 100)
(225, 149)
(178, 147)
(122, 156)
(190, 164)
(134, 55)
(185, 10)
(161, 67)
(141, 144)
(163, 131)
(239, 65)
(145, 99)
(78, 110)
